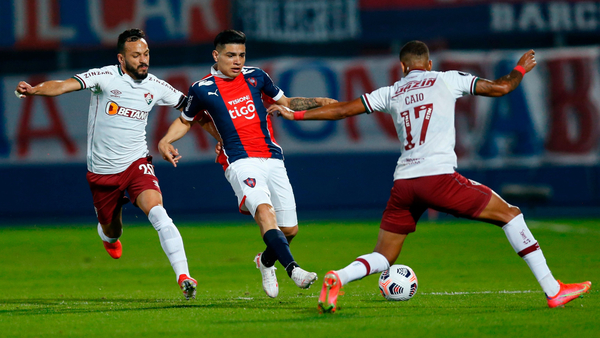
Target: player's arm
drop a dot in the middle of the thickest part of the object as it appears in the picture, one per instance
(209, 127)
(48, 88)
(509, 82)
(304, 103)
(177, 130)
(333, 111)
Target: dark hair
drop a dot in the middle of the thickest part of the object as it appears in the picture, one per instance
(230, 36)
(414, 50)
(129, 35)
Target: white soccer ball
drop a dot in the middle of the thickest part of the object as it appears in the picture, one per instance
(399, 282)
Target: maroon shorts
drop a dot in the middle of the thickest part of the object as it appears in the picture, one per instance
(108, 191)
(450, 193)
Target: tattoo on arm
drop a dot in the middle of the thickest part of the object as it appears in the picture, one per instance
(303, 103)
(511, 79)
(509, 82)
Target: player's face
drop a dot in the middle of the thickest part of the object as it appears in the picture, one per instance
(230, 59)
(136, 59)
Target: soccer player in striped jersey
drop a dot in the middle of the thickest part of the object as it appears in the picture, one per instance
(232, 98)
(117, 154)
(422, 105)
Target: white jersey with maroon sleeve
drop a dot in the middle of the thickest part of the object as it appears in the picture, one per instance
(422, 106)
(118, 115)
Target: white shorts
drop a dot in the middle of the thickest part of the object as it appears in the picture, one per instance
(257, 181)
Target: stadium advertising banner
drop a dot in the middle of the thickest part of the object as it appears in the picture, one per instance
(385, 20)
(552, 118)
(47, 24)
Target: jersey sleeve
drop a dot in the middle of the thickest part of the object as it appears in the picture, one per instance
(170, 96)
(194, 105)
(94, 79)
(378, 100)
(459, 83)
(270, 89)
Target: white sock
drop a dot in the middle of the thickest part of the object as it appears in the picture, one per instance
(170, 239)
(527, 247)
(363, 266)
(106, 238)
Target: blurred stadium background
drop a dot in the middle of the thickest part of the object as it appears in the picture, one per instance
(538, 147)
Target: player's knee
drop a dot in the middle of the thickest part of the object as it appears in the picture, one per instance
(159, 218)
(510, 213)
(289, 232)
(265, 210)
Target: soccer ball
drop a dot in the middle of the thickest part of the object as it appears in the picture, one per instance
(399, 282)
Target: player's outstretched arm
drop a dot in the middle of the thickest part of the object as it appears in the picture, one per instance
(177, 130)
(334, 111)
(509, 82)
(304, 103)
(48, 88)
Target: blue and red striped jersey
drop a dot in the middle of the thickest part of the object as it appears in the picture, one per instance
(237, 110)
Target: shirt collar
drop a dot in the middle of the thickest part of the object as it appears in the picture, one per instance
(218, 73)
(415, 72)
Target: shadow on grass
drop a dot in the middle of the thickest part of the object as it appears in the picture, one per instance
(32, 307)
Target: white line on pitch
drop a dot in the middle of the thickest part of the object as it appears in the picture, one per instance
(459, 293)
(476, 292)
(560, 228)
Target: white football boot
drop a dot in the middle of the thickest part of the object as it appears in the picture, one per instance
(269, 279)
(302, 278)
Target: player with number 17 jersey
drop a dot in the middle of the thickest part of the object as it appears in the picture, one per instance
(237, 110)
(422, 107)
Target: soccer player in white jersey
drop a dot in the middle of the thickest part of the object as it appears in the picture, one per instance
(422, 106)
(117, 154)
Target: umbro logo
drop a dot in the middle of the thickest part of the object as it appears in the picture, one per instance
(115, 93)
(214, 93)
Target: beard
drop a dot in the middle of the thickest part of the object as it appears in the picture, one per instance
(138, 74)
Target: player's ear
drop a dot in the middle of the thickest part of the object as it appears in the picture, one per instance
(429, 64)
(404, 68)
(215, 55)
(121, 58)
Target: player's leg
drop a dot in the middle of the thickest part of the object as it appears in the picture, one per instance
(108, 202)
(399, 219)
(511, 220)
(466, 198)
(275, 239)
(284, 204)
(150, 201)
(249, 179)
(145, 193)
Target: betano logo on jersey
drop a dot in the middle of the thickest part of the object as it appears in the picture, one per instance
(243, 106)
(114, 109)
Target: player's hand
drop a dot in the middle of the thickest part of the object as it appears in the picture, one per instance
(527, 61)
(23, 89)
(218, 150)
(323, 101)
(169, 153)
(279, 110)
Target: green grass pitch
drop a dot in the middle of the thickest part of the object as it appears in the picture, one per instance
(59, 281)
